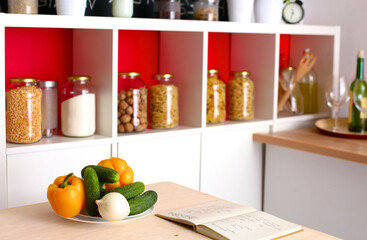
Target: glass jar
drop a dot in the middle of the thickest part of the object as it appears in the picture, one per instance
(49, 107)
(308, 86)
(206, 10)
(168, 9)
(23, 6)
(215, 98)
(23, 111)
(240, 97)
(163, 102)
(78, 107)
(123, 8)
(132, 103)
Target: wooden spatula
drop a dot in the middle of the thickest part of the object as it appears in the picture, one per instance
(304, 66)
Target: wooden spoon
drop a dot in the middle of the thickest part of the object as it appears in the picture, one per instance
(304, 66)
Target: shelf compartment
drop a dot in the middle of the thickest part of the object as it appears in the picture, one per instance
(246, 52)
(178, 53)
(320, 46)
(55, 54)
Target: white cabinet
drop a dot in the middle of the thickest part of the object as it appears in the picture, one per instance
(232, 165)
(166, 158)
(29, 174)
(193, 154)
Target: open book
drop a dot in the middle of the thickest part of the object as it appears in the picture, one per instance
(225, 220)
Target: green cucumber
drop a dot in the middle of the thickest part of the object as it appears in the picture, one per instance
(142, 202)
(129, 191)
(102, 188)
(92, 191)
(105, 174)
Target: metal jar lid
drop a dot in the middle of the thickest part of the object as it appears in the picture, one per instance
(22, 80)
(79, 78)
(47, 84)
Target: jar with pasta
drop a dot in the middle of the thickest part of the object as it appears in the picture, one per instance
(206, 10)
(78, 107)
(132, 103)
(23, 111)
(215, 98)
(240, 97)
(163, 102)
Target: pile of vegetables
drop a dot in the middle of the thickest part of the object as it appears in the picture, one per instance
(107, 190)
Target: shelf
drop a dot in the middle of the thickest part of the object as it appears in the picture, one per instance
(88, 22)
(57, 142)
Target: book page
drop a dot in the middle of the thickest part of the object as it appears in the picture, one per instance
(255, 225)
(206, 212)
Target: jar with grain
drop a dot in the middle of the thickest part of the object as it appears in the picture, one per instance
(132, 103)
(206, 10)
(168, 9)
(163, 102)
(78, 107)
(23, 6)
(216, 98)
(49, 107)
(23, 111)
(240, 97)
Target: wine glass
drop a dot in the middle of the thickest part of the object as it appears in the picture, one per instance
(360, 99)
(336, 93)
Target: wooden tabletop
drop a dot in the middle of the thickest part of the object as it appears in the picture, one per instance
(38, 221)
(311, 140)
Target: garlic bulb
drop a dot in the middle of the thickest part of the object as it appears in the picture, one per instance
(113, 206)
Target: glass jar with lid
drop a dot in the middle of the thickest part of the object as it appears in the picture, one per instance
(206, 10)
(23, 111)
(78, 107)
(168, 9)
(49, 107)
(163, 102)
(23, 6)
(215, 98)
(132, 103)
(240, 97)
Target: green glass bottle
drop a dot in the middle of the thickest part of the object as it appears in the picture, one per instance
(355, 116)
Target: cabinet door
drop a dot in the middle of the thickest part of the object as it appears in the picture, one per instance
(29, 174)
(175, 159)
(232, 165)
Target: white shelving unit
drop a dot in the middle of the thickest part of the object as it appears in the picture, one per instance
(217, 159)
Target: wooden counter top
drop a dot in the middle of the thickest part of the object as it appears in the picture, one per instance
(38, 221)
(310, 140)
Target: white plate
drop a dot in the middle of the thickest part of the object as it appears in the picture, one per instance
(90, 219)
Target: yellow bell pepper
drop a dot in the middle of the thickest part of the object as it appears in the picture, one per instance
(120, 165)
(66, 195)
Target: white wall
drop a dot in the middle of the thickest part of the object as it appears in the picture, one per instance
(351, 16)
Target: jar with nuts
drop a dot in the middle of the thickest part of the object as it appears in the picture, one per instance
(163, 102)
(23, 111)
(240, 97)
(132, 103)
(215, 98)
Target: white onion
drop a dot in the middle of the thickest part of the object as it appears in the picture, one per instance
(113, 206)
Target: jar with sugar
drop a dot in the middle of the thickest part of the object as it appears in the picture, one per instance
(78, 107)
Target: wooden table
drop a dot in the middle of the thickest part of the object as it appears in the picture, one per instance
(38, 221)
(310, 140)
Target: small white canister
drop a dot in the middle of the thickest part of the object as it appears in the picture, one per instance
(123, 8)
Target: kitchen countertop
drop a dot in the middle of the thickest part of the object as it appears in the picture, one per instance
(311, 140)
(38, 221)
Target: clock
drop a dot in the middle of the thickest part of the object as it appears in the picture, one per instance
(293, 12)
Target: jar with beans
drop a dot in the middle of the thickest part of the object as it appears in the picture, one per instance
(216, 98)
(23, 111)
(163, 102)
(132, 103)
(240, 97)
